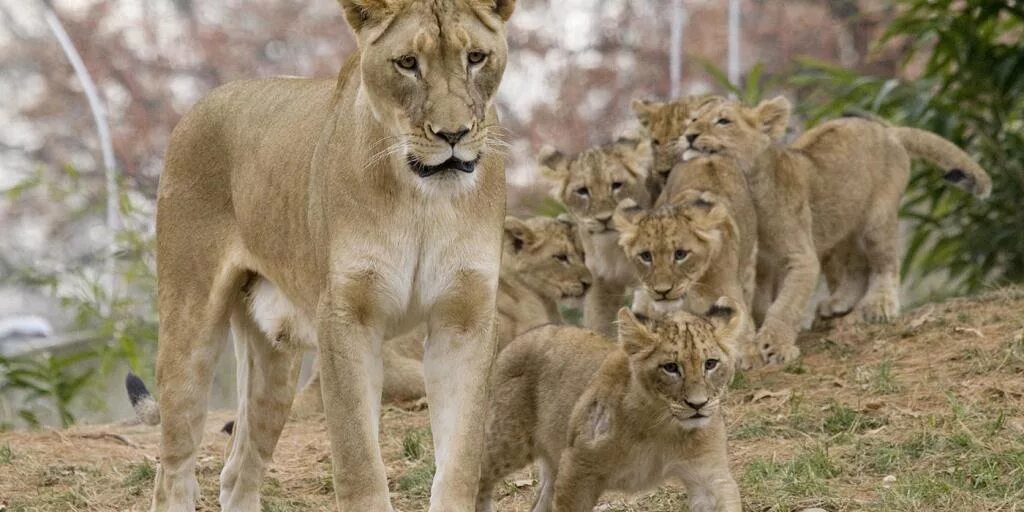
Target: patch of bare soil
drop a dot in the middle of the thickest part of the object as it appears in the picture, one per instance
(924, 414)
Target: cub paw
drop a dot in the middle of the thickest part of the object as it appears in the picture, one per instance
(833, 307)
(749, 357)
(879, 308)
(777, 346)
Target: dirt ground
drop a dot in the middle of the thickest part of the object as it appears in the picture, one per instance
(923, 414)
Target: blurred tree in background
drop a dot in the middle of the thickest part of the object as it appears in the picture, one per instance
(966, 60)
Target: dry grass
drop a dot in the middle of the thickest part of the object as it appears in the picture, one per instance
(924, 414)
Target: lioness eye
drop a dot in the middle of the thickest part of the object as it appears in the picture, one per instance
(681, 254)
(646, 257)
(710, 364)
(670, 368)
(616, 185)
(564, 258)
(476, 57)
(407, 62)
(723, 121)
(583, 191)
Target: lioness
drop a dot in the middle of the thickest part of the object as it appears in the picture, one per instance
(598, 416)
(838, 185)
(665, 122)
(542, 265)
(590, 185)
(353, 208)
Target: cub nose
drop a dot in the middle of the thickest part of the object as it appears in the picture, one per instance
(586, 285)
(452, 138)
(690, 137)
(696, 405)
(662, 290)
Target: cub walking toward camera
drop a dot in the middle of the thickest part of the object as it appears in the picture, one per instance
(598, 416)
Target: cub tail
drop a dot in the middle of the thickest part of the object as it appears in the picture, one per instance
(145, 405)
(961, 169)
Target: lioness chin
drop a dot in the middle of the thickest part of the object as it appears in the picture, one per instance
(355, 208)
(599, 416)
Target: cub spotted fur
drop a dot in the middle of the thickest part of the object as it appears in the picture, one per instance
(542, 264)
(837, 187)
(598, 416)
(590, 185)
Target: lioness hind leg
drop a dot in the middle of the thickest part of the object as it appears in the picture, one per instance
(266, 387)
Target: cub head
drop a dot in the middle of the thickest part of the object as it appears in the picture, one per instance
(672, 246)
(665, 122)
(593, 182)
(430, 69)
(683, 361)
(546, 254)
(732, 129)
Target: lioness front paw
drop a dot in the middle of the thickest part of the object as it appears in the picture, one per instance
(880, 307)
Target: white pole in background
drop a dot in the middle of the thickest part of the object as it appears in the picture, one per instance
(675, 64)
(99, 115)
(733, 64)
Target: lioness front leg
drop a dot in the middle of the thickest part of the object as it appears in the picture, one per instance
(457, 363)
(349, 336)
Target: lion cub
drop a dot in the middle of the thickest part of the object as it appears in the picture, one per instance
(590, 185)
(665, 122)
(598, 416)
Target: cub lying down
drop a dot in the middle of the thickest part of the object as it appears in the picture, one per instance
(598, 416)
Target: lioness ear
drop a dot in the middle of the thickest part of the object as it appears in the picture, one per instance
(518, 234)
(727, 318)
(625, 217)
(773, 116)
(633, 335)
(359, 13)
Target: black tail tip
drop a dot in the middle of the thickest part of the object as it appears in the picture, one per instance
(228, 428)
(135, 387)
(957, 176)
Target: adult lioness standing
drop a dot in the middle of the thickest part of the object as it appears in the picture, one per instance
(354, 207)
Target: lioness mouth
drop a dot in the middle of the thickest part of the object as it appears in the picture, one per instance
(452, 164)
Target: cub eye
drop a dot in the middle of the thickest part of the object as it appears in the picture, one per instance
(655, 142)
(710, 364)
(476, 58)
(723, 121)
(616, 185)
(645, 256)
(564, 258)
(407, 62)
(681, 254)
(670, 368)
(583, 191)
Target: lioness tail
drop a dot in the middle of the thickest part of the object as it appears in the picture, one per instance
(961, 169)
(142, 401)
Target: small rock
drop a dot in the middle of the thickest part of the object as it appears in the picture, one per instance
(888, 481)
(813, 510)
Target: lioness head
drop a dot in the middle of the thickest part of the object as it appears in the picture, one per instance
(671, 247)
(665, 122)
(683, 361)
(546, 254)
(430, 69)
(732, 129)
(592, 183)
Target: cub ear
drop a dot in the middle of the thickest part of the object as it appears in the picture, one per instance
(634, 337)
(566, 219)
(518, 234)
(553, 164)
(728, 319)
(643, 110)
(625, 217)
(705, 211)
(360, 13)
(773, 116)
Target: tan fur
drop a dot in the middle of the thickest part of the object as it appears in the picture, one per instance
(665, 122)
(631, 424)
(309, 189)
(836, 188)
(590, 185)
(690, 251)
(543, 264)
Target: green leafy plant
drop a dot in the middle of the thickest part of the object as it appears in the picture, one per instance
(58, 379)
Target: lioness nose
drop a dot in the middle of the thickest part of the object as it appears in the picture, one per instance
(452, 138)
(690, 137)
(695, 405)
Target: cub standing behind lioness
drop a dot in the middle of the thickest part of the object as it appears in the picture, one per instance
(590, 185)
(598, 416)
(542, 264)
(838, 186)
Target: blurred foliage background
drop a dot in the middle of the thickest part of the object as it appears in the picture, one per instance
(953, 67)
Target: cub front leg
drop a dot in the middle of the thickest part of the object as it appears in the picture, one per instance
(579, 483)
(601, 304)
(457, 363)
(799, 277)
(350, 334)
